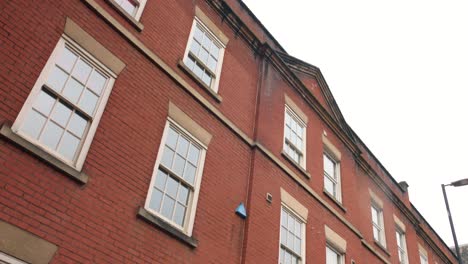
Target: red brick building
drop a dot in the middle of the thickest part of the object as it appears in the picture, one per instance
(133, 131)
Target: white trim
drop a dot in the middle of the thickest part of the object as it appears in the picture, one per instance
(88, 135)
(9, 259)
(141, 7)
(214, 83)
(187, 228)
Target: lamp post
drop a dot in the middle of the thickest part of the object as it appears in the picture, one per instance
(454, 184)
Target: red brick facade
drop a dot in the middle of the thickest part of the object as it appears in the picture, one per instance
(98, 221)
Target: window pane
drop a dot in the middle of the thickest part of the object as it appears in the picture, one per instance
(160, 182)
(194, 48)
(207, 42)
(155, 202)
(51, 135)
(81, 71)
(178, 166)
(189, 174)
(198, 70)
(284, 235)
(212, 64)
(96, 82)
(57, 79)
(171, 139)
(171, 188)
(69, 145)
(328, 166)
(329, 186)
(193, 154)
(168, 207)
(207, 79)
(375, 215)
(198, 34)
(290, 240)
(67, 59)
(73, 90)
(61, 114)
(376, 233)
(129, 7)
(203, 55)
(77, 125)
(214, 51)
(167, 157)
(183, 146)
(332, 256)
(44, 103)
(33, 124)
(179, 214)
(297, 245)
(88, 102)
(182, 197)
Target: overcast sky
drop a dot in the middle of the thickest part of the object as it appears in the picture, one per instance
(398, 71)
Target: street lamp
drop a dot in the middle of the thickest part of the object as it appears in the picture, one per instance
(454, 184)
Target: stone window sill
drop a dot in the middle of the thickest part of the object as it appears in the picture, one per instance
(71, 172)
(216, 96)
(382, 247)
(334, 200)
(295, 164)
(135, 23)
(166, 227)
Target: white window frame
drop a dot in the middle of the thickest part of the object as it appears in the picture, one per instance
(139, 10)
(9, 259)
(82, 150)
(303, 233)
(337, 171)
(293, 115)
(341, 256)
(187, 228)
(380, 226)
(402, 249)
(217, 74)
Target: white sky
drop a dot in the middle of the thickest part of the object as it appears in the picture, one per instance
(398, 72)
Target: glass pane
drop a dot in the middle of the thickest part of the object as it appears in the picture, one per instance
(198, 70)
(198, 34)
(376, 233)
(207, 43)
(284, 235)
(183, 195)
(203, 55)
(171, 188)
(129, 7)
(329, 166)
(81, 71)
(194, 48)
(179, 214)
(332, 256)
(57, 79)
(297, 229)
(51, 135)
(375, 215)
(297, 245)
(207, 79)
(44, 103)
(287, 258)
(179, 164)
(193, 154)
(168, 207)
(189, 62)
(160, 182)
(212, 64)
(284, 218)
(88, 102)
(96, 82)
(73, 90)
(281, 256)
(67, 59)
(61, 114)
(167, 157)
(291, 238)
(155, 201)
(171, 139)
(183, 146)
(214, 51)
(33, 124)
(77, 125)
(288, 120)
(69, 145)
(329, 186)
(189, 174)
